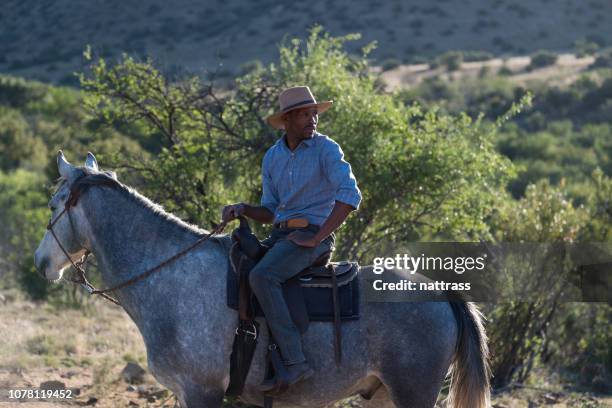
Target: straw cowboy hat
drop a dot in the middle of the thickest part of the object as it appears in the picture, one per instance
(295, 98)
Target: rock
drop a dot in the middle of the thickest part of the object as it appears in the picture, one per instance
(131, 388)
(152, 393)
(133, 373)
(133, 404)
(68, 374)
(92, 401)
(551, 398)
(52, 385)
(159, 393)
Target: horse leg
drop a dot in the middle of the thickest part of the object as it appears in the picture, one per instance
(198, 396)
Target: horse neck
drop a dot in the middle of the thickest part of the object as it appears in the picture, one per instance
(128, 237)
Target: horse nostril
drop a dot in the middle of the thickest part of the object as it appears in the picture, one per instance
(41, 265)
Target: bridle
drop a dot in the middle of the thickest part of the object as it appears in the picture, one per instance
(79, 186)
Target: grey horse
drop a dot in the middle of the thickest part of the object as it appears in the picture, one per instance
(398, 353)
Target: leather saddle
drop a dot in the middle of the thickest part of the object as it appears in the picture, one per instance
(325, 291)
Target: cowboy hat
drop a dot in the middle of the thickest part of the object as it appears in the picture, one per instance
(295, 98)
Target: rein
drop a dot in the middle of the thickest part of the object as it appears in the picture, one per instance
(77, 189)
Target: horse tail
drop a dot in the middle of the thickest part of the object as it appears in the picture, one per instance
(470, 373)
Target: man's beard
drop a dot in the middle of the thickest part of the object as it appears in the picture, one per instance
(308, 135)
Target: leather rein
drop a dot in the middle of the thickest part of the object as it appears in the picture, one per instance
(78, 277)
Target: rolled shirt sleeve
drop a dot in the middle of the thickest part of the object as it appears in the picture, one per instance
(269, 197)
(339, 173)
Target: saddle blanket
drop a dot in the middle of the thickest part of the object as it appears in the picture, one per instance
(317, 295)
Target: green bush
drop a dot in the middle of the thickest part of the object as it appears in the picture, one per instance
(417, 59)
(585, 48)
(451, 60)
(23, 218)
(250, 66)
(374, 128)
(541, 59)
(473, 56)
(602, 60)
(17, 92)
(390, 64)
(518, 329)
(18, 145)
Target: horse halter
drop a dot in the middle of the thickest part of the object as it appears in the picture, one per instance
(78, 277)
(77, 189)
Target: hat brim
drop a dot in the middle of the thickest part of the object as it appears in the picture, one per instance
(276, 120)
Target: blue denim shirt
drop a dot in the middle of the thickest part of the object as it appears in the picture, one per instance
(306, 182)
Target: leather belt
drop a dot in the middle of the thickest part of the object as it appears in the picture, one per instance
(292, 223)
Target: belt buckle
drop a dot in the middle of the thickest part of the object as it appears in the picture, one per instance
(298, 221)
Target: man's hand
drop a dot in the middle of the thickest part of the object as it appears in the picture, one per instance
(260, 214)
(232, 211)
(303, 238)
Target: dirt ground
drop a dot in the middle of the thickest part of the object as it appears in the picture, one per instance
(566, 70)
(86, 350)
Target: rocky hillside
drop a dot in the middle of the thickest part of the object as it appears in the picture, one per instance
(44, 39)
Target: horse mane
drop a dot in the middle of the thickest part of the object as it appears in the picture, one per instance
(93, 177)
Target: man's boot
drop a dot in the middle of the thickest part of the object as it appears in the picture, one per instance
(295, 373)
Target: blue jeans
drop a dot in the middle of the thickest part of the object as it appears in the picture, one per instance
(283, 261)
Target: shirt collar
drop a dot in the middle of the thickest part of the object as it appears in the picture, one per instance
(306, 142)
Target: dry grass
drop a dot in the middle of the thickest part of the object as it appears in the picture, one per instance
(82, 348)
(565, 71)
(87, 349)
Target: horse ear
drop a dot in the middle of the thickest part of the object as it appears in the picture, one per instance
(91, 161)
(64, 168)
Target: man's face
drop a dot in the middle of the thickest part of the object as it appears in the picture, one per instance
(302, 122)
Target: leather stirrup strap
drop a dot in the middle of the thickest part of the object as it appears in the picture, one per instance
(337, 328)
(245, 310)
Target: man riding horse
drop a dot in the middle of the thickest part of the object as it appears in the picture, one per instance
(308, 192)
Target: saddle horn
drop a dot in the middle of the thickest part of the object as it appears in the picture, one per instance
(249, 243)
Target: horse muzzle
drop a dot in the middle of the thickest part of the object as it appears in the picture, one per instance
(43, 266)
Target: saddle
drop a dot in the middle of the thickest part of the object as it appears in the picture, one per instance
(325, 291)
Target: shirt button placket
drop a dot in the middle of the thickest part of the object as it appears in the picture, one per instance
(291, 166)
